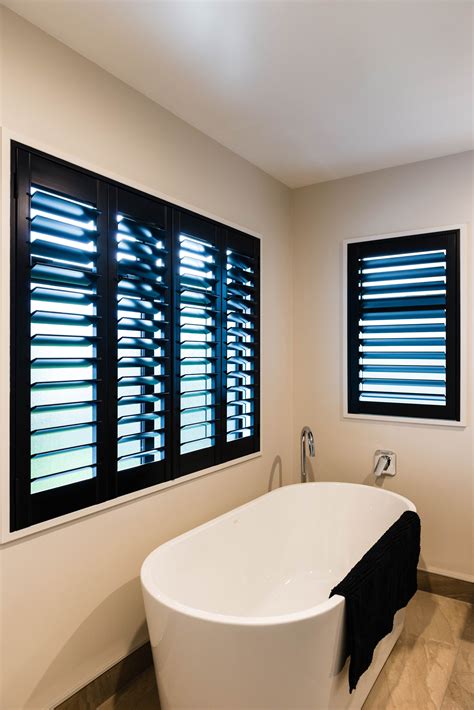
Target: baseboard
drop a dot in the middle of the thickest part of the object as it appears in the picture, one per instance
(448, 573)
(460, 589)
(109, 682)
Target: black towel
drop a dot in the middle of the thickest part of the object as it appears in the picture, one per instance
(380, 584)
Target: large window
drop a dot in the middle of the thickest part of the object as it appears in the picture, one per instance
(135, 340)
(403, 326)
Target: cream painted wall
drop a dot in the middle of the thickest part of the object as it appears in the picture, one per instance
(435, 463)
(71, 601)
(70, 597)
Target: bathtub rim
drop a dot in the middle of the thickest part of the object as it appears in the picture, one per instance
(149, 585)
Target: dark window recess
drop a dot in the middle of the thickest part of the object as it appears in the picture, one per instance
(135, 340)
(404, 326)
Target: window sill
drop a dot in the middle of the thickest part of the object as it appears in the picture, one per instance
(7, 536)
(407, 420)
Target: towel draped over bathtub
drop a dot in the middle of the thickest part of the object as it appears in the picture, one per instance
(380, 584)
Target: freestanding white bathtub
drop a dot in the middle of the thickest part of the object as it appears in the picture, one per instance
(238, 609)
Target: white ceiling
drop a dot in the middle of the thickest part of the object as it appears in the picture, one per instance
(307, 91)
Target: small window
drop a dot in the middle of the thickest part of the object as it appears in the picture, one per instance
(135, 340)
(403, 326)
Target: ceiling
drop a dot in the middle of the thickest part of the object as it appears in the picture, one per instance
(307, 91)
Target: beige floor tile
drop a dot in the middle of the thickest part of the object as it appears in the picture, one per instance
(433, 644)
(437, 618)
(460, 691)
(414, 677)
(468, 632)
(465, 658)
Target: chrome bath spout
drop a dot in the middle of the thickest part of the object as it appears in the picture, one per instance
(306, 434)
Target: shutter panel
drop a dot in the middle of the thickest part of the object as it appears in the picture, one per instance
(242, 344)
(198, 341)
(143, 342)
(403, 305)
(57, 378)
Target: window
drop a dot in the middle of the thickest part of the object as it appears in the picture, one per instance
(135, 340)
(403, 326)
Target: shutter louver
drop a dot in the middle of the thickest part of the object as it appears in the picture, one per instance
(63, 296)
(198, 343)
(241, 342)
(142, 342)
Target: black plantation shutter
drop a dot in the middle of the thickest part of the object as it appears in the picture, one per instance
(135, 340)
(141, 246)
(403, 319)
(58, 386)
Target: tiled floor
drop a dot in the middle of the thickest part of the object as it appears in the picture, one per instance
(432, 665)
(430, 668)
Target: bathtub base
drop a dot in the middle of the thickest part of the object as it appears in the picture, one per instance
(238, 673)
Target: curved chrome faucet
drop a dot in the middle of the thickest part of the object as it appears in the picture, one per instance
(306, 433)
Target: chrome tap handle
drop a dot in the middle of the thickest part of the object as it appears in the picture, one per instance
(382, 464)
